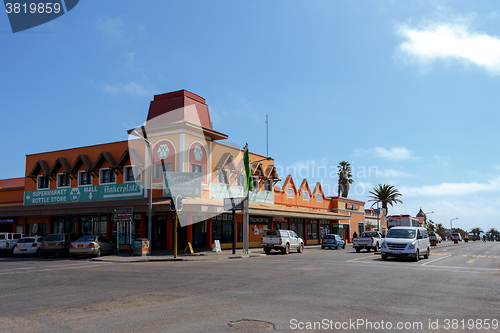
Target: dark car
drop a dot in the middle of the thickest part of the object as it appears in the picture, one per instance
(332, 240)
(57, 244)
(93, 245)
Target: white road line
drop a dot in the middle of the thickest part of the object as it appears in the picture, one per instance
(428, 262)
(359, 258)
(55, 269)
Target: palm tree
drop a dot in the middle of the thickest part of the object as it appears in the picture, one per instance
(345, 178)
(386, 194)
(440, 230)
(476, 232)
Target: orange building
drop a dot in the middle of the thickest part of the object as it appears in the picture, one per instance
(77, 190)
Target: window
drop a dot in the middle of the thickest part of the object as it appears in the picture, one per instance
(223, 177)
(319, 197)
(43, 182)
(63, 180)
(305, 196)
(84, 178)
(132, 173)
(289, 193)
(107, 176)
(158, 169)
(256, 183)
(197, 168)
(268, 186)
(239, 180)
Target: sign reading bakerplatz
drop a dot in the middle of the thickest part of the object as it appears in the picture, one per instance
(85, 193)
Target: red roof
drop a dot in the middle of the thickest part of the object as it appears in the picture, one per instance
(11, 183)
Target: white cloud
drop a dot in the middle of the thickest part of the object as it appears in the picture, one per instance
(451, 189)
(447, 41)
(111, 27)
(131, 88)
(395, 153)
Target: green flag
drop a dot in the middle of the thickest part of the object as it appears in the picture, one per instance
(248, 173)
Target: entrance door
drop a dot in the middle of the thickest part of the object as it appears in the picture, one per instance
(181, 238)
(159, 237)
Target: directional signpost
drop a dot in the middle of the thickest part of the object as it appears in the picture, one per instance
(233, 204)
(186, 184)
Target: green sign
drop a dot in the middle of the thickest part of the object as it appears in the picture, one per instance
(186, 184)
(85, 193)
(221, 191)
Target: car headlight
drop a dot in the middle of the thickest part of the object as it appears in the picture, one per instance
(411, 246)
(384, 245)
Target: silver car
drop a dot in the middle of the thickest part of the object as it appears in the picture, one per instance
(91, 245)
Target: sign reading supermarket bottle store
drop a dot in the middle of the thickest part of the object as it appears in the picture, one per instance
(85, 194)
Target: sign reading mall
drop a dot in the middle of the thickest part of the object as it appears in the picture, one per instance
(85, 193)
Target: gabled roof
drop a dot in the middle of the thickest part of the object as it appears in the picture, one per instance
(39, 165)
(129, 154)
(304, 186)
(11, 183)
(257, 169)
(287, 182)
(271, 173)
(226, 161)
(79, 160)
(104, 156)
(60, 162)
(318, 190)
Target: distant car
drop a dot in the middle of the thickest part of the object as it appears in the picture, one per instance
(435, 237)
(456, 237)
(332, 240)
(8, 240)
(57, 244)
(29, 245)
(91, 245)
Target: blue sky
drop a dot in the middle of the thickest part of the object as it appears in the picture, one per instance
(408, 90)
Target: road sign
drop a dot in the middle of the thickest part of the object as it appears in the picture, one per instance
(123, 214)
(233, 203)
(186, 184)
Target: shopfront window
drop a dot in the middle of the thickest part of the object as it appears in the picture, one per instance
(221, 228)
(298, 227)
(64, 225)
(124, 230)
(93, 225)
(281, 225)
(324, 227)
(312, 229)
(38, 229)
(200, 233)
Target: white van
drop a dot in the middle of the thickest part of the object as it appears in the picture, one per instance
(407, 242)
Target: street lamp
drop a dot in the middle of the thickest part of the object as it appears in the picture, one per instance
(451, 225)
(150, 211)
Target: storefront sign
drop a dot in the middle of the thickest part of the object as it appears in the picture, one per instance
(278, 218)
(221, 191)
(85, 193)
(186, 184)
(351, 206)
(6, 220)
(233, 203)
(123, 214)
(259, 220)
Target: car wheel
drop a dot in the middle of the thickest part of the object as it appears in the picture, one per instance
(98, 254)
(426, 256)
(322, 247)
(336, 247)
(343, 246)
(376, 248)
(417, 256)
(267, 250)
(286, 249)
(300, 249)
(384, 257)
(358, 249)
(38, 252)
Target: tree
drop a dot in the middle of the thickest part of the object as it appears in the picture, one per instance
(430, 226)
(493, 233)
(385, 194)
(441, 231)
(345, 178)
(476, 232)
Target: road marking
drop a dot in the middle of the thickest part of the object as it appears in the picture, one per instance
(470, 261)
(428, 262)
(360, 258)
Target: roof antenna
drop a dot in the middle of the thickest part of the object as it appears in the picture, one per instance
(267, 136)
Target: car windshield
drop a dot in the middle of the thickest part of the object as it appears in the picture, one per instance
(272, 233)
(54, 238)
(401, 233)
(87, 239)
(370, 234)
(26, 240)
(2, 236)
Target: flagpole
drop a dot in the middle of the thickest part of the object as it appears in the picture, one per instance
(246, 201)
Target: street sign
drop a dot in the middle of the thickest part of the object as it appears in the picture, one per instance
(186, 184)
(233, 203)
(123, 214)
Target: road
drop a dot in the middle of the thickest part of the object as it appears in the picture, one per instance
(332, 288)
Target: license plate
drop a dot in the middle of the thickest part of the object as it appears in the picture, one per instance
(362, 244)
(52, 244)
(396, 252)
(270, 245)
(80, 245)
(24, 250)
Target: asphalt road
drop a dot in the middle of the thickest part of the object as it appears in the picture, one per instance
(339, 290)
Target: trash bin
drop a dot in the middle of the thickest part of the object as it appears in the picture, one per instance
(141, 247)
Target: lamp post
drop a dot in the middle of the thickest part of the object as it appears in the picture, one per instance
(150, 210)
(425, 219)
(451, 225)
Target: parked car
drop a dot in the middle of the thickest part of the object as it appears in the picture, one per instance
(435, 237)
(408, 242)
(282, 240)
(369, 240)
(8, 240)
(28, 245)
(57, 244)
(332, 240)
(456, 237)
(91, 245)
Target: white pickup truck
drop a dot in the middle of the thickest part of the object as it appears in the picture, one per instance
(282, 240)
(369, 240)
(8, 240)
